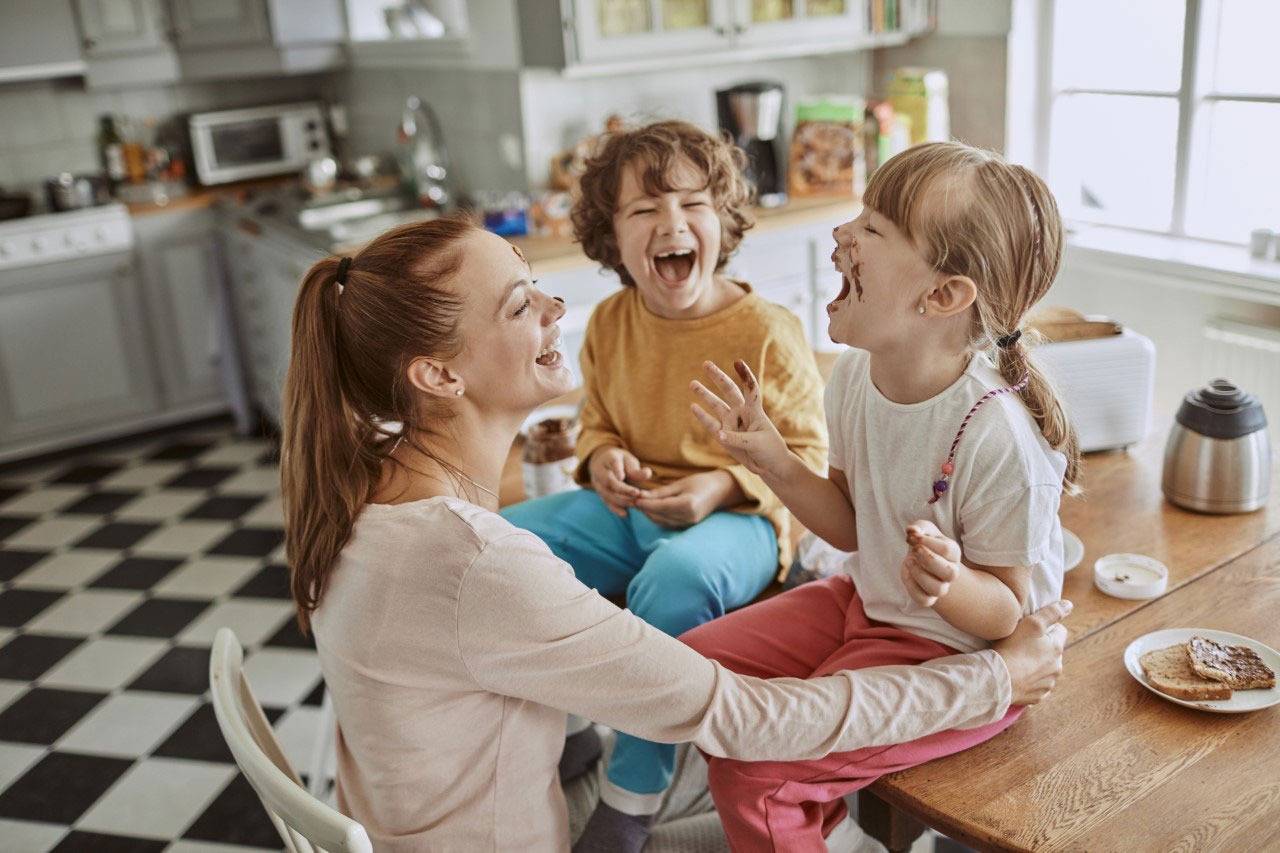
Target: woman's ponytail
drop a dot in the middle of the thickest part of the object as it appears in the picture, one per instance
(324, 475)
(1042, 402)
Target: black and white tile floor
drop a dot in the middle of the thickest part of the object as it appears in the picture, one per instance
(117, 564)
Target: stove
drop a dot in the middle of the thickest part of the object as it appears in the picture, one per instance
(53, 237)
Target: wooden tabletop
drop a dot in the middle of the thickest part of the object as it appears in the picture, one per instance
(1124, 511)
(1104, 764)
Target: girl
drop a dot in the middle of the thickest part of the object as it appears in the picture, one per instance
(670, 518)
(945, 474)
(451, 642)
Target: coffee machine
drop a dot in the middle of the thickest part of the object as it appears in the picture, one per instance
(751, 113)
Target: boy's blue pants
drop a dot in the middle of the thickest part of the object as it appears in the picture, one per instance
(673, 579)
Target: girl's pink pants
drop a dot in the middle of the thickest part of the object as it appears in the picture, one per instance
(812, 630)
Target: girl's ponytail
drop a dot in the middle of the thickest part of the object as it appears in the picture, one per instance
(1042, 402)
(325, 459)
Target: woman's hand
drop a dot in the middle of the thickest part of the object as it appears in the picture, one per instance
(736, 417)
(690, 499)
(1033, 653)
(932, 563)
(610, 469)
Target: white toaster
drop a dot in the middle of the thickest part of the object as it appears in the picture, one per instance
(1106, 384)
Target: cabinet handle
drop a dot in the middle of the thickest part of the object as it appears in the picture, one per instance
(90, 44)
(739, 29)
(723, 32)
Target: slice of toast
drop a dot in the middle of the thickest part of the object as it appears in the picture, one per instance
(1238, 667)
(1169, 671)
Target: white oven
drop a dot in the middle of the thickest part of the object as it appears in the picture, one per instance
(232, 145)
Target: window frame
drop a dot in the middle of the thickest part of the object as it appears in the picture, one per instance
(1031, 99)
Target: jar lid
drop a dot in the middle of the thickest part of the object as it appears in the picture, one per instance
(1130, 576)
(1221, 409)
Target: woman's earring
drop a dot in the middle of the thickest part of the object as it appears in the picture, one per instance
(458, 393)
(920, 310)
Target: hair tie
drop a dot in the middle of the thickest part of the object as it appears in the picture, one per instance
(1009, 340)
(341, 277)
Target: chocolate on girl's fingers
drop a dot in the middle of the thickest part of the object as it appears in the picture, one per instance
(744, 373)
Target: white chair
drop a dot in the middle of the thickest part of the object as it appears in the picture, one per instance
(305, 823)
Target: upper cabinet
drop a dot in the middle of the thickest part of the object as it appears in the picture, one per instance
(125, 42)
(596, 36)
(241, 38)
(216, 23)
(38, 41)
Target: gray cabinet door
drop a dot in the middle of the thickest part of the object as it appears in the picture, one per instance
(181, 277)
(111, 27)
(213, 23)
(38, 39)
(73, 349)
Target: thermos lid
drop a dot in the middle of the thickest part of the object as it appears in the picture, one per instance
(1221, 410)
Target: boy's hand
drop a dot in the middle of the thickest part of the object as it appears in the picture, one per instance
(688, 500)
(736, 417)
(932, 563)
(610, 469)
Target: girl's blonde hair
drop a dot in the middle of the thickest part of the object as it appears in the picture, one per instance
(971, 213)
(657, 149)
(351, 345)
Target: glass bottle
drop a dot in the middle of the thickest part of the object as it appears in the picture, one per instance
(111, 149)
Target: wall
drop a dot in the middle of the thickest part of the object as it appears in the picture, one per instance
(51, 126)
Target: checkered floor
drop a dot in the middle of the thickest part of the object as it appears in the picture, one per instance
(117, 564)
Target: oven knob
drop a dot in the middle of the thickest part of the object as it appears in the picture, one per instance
(37, 246)
(73, 240)
(5, 251)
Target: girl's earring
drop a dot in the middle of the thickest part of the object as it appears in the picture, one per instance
(458, 393)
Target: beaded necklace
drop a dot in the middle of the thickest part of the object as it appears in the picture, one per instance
(948, 467)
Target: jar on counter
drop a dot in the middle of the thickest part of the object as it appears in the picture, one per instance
(548, 462)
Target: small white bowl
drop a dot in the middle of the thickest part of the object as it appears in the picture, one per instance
(1131, 576)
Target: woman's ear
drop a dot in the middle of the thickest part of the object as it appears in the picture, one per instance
(433, 377)
(951, 296)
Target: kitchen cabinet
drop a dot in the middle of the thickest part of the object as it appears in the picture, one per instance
(238, 38)
(125, 42)
(38, 41)
(264, 272)
(73, 351)
(181, 279)
(604, 35)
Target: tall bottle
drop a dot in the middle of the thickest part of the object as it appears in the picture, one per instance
(423, 160)
(111, 149)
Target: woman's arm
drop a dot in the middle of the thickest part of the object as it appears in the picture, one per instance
(527, 628)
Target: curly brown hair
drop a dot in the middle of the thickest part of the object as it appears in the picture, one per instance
(657, 148)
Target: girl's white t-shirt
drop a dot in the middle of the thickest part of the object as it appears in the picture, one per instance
(1001, 503)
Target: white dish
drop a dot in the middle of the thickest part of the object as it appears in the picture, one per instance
(1131, 576)
(1072, 550)
(1240, 701)
(562, 410)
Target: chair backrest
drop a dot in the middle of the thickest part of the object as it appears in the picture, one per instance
(305, 823)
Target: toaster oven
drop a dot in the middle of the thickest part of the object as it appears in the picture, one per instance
(233, 145)
(1107, 386)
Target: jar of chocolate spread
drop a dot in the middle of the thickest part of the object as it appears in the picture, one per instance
(548, 459)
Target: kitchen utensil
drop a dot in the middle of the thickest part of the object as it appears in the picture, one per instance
(1218, 456)
(752, 114)
(75, 192)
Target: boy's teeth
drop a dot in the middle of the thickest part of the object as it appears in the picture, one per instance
(676, 254)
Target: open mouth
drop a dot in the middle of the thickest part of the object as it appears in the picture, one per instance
(846, 285)
(675, 267)
(550, 355)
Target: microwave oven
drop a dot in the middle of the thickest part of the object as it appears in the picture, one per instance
(232, 145)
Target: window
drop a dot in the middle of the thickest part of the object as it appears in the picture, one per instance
(1161, 115)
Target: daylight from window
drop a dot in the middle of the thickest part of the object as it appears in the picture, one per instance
(1165, 115)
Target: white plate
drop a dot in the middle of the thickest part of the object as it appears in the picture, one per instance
(1072, 550)
(562, 410)
(1240, 701)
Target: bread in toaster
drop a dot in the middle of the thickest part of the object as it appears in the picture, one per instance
(1169, 671)
(1238, 667)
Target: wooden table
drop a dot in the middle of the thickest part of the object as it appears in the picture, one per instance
(1104, 764)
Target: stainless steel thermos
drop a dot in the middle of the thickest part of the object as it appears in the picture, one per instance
(1218, 456)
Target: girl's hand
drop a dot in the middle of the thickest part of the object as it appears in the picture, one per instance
(736, 417)
(1033, 653)
(932, 563)
(610, 469)
(686, 501)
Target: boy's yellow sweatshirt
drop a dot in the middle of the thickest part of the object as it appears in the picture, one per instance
(637, 366)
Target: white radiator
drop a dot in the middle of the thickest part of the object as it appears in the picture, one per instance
(1246, 354)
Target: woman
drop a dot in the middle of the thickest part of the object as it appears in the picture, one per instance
(453, 643)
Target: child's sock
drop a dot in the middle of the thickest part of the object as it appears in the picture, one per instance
(611, 831)
(581, 751)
